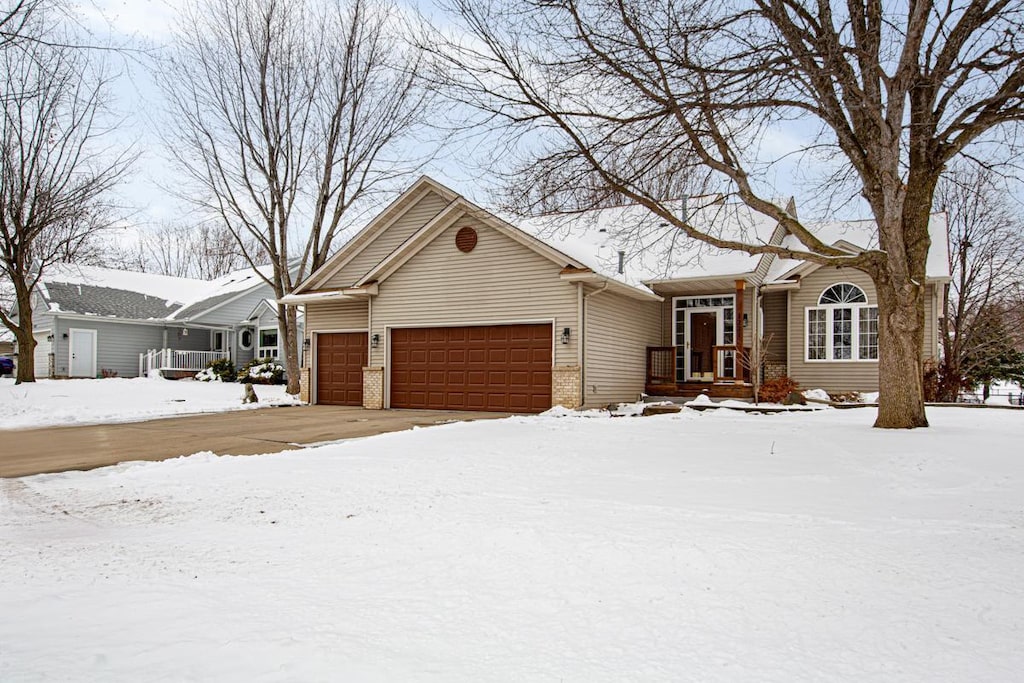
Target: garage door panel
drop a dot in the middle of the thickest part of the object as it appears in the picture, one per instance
(494, 367)
(340, 357)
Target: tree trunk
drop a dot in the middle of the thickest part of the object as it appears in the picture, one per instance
(23, 334)
(900, 361)
(288, 329)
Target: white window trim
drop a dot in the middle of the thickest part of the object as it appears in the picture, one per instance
(259, 346)
(829, 312)
(252, 338)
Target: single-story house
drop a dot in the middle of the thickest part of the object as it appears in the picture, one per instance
(438, 303)
(95, 322)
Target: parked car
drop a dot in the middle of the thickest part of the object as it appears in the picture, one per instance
(6, 366)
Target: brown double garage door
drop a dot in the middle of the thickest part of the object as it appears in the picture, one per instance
(503, 368)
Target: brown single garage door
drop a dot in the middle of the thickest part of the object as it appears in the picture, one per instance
(493, 367)
(340, 358)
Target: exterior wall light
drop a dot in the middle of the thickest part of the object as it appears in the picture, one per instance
(565, 335)
(375, 341)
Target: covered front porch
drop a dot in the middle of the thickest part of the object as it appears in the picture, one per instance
(721, 371)
(177, 362)
(710, 325)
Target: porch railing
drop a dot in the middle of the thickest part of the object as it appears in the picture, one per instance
(661, 364)
(729, 364)
(174, 359)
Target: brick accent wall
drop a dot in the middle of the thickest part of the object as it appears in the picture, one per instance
(304, 385)
(373, 388)
(774, 370)
(565, 386)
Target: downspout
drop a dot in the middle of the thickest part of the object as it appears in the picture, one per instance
(583, 298)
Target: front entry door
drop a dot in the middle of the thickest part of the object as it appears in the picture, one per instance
(83, 353)
(702, 335)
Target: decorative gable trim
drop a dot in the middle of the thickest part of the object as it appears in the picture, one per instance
(385, 219)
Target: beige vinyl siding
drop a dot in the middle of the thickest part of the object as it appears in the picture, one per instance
(618, 332)
(931, 327)
(829, 375)
(844, 375)
(774, 305)
(339, 315)
(500, 281)
(422, 211)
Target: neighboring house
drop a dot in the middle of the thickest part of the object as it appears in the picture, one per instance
(92, 322)
(438, 303)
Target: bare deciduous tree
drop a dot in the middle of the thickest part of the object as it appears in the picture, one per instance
(16, 20)
(54, 171)
(285, 115)
(896, 91)
(205, 251)
(986, 251)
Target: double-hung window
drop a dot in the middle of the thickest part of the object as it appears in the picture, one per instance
(268, 343)
(842, 326)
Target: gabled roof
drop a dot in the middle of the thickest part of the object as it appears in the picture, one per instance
(855, 236)
(373, 229)
(105, 301)
(106, 292)
(129, 295)
(458, 208)
(223, 290)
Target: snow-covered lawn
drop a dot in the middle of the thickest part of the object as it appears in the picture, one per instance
(699, 546)
(92, 401)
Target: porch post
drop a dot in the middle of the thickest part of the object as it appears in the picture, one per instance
(737, 340)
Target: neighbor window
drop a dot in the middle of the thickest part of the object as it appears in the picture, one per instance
(268, 343)
(842, 326)
(245, 339)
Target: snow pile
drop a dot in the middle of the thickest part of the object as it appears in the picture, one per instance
(817, 395)
(700, 400)
(997, 401)
(84, 401)
(697, 546)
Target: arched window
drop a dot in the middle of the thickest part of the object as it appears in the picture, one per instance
(842, 293)
(843, 327)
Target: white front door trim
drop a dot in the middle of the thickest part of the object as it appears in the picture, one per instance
(84, 366)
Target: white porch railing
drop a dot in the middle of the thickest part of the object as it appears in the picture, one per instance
(173, 359)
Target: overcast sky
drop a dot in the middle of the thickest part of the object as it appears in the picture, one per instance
(149, 24)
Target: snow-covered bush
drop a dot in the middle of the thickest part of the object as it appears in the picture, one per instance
(262, 371)
(222, 370)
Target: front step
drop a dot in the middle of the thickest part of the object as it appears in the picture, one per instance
(691, 390)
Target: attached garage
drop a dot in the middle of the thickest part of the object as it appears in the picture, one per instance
(340, 359)
(504, 368)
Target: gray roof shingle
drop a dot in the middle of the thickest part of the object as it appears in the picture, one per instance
(106, 301)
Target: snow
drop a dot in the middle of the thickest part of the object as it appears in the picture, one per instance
(651, 250)
(171, 289)
(714, 546)
(817, 395)
(864, 234)
(93, 401)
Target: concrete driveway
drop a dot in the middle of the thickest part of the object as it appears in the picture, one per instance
(269, 430)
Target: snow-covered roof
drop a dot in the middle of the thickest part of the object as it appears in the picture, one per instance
(124, 294)
(224, 288)
(864, 234)
(173, 290)
(651, 250)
